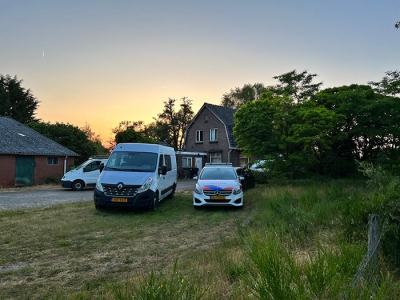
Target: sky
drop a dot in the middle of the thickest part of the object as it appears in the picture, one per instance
(98, 63)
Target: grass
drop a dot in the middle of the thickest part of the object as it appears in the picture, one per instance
(286, 243)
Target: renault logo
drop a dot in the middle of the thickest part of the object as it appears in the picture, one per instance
(120, 186)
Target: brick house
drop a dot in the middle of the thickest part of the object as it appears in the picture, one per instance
(209, 139)
(27, 157)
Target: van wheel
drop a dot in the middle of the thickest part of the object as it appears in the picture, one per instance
(78, 185)
(155, 202)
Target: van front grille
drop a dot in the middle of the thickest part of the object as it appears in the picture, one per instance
(127, 190)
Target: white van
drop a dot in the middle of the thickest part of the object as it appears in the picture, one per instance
(85, 175)
(137, 175)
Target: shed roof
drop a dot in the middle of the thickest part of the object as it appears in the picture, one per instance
(17, 138)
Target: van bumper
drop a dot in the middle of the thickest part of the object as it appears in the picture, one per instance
(141, 200)
(66, 184)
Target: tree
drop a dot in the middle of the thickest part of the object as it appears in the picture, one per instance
(299, 86)
(254, 128)
(171, 125)
(240, 96)
(371, 120)
(69, 136)
(15, 101)
(389, 85)
(94, 138)
(131, 136)
(123, 126)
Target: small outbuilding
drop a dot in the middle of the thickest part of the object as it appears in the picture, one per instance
(29, 158)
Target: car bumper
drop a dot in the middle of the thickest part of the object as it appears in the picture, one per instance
(232, 200)
(142, 200)
(66, 184)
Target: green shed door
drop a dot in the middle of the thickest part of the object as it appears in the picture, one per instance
(24, 170)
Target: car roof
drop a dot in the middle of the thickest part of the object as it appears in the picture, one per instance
(228, 165)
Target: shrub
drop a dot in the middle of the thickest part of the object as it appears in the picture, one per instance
(52, 180)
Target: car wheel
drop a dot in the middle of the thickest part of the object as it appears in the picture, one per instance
(78, 185)
(154, 203)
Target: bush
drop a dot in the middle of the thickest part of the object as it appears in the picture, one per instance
(52, 180)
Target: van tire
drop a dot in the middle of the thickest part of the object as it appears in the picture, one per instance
(78, 185)
(154, 203)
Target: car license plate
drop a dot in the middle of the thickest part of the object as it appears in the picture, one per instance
(119, 199)
(218, 197)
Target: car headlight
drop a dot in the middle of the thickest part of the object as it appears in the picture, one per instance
(237, 190)
(99, 187)
(198, 189)
(145, 185)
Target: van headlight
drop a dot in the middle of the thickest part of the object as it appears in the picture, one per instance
(237, 190)
(145, 185)
(99, 187)
(198, 189)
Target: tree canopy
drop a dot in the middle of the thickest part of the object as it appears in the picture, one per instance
(69, 136)
(15, 101)
(324, 134)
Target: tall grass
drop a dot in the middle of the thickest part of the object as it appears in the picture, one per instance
(292, 240)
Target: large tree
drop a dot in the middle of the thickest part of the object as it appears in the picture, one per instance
(69, 136)
(15, 101)
(371, 120)
(299, 86)
(240, 96)
(137, 126)
(171, 124)
(389, 85)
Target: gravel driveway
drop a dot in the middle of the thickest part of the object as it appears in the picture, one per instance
(31, 197)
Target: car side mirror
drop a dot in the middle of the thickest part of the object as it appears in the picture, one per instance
(101, 167)
(195, 177)
(241, 178)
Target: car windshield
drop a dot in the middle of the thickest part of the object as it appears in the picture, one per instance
(132, 161)
(218, 173)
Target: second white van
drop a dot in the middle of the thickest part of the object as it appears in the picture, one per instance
(137, 175)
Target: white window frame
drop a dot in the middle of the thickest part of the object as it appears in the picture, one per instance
(199, 136)
(187, 162)
(213, 134)
(216, 157)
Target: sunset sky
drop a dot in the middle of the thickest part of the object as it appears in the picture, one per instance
(103, 62)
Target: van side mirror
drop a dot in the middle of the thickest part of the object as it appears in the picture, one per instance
(101, 167)
(164, 170)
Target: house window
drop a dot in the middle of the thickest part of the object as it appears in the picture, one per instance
(186, 162)
(199, 136)
(52, 160)
(216, 158)
(213, 134)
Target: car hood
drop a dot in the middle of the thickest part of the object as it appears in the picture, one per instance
(127, 178)
(217, 185)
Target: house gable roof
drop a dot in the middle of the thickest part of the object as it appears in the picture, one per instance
(226, 116)
(16, 138)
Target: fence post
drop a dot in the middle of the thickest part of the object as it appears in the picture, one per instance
(373, 238)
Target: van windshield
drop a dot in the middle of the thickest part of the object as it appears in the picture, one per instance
(132, 161)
